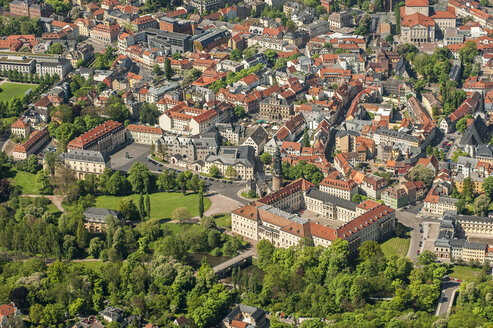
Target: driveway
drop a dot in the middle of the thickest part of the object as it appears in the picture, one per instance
(446, 299)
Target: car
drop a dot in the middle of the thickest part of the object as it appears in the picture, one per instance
(159, 170)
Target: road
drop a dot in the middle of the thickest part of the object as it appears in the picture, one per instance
(446, 298)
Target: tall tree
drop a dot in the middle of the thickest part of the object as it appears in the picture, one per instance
(168, 71)
(141, 207)
(148, 206)
(81, 235)
(201, 205)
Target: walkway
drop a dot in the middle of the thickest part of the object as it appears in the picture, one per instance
(55, 199)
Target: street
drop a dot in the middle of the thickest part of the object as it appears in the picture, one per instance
(446, 297)
(411, 221)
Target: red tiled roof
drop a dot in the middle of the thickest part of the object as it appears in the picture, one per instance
(144, 128)
(95, 134)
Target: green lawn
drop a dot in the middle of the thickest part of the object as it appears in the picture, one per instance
(396, 246)
(464, 272)
(223, 221)
(27, 182)
(162, 204)
(8, 120)
(13, 90)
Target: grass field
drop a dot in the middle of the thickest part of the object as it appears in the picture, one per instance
(162, 204)
(27, 182)
(464, 272)
(396, 246)
(223, 221)
(13, 90)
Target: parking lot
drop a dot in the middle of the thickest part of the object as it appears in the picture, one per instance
(429, 233)
(48, 147)
(136, 153)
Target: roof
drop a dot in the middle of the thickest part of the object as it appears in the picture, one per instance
(20, 124)
(145, 129)
(95, 134)
(363, 221)
(417, 3)
(417, 19)
(326, 198)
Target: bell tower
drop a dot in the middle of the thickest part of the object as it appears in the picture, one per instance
(277, 171)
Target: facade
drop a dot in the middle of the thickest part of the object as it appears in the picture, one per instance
(241, 158)
(83, 162)
(276, 109)
(438, 205)
(94, 218)
(105, 33)
(17, 63)
(257, 140)
(145, 134)
(103, 138)
(30, 146)
(185, 120)
(334, 184)
(418, 28)
(60, 68)
(330, 207)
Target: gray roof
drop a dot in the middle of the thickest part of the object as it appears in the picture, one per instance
(101, 212)
(326, 198)
(259, 135)
(397, 134)
(470, 245)
(85, 156)
(457, 243)
(234, 155)
(476, 133)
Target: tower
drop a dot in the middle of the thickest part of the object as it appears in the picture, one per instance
(277, 171)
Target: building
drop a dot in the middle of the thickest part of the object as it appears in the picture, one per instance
(94, 219)
(20, 64)
(207, 5)
(417, 28)
(257, 139)
(330, 207)
(145, 134)
(144, 22)
(105, 32)
(61, 68)
(31, 10)
(246, 316)
(104, 138)
(395, 197)
(21, 128)
(185, 120)
(241, 158)
(438, 205)
(169, 41)
(83, 162)
(268, 218)
(276, 109)
(30, 146)
(373, 185)
(339, 20)
(335, 184)
(112, 313)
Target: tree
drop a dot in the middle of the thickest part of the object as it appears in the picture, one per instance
(81, 235)
(168, 72)
(239, 111)
(181, 214)
(201, 205)
(468, 188)
(149, 113)
(50, 160)
(461, 125)
(291, 26)
(488, 186)
(139, 177)
(363, 25)
(128, 208)
(231, 172)
(43, 183)
(148, 206)
(306, 139)
(190, 76)
(96, 245)
(214, 171)
(266, 158)
(156, 70)
(56, 48)
(31, 164)
(236, 55)
(420, 173)
(481, 205)
(117, 184)
(370, 249)
(141, 207)
(427, 257)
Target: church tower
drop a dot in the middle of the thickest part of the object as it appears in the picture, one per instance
(277, 171)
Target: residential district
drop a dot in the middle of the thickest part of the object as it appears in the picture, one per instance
(205, 163)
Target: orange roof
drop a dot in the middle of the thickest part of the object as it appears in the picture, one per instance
(20, 124)
(144, 128)
(99, 132)
(417, 19)
(417, 3)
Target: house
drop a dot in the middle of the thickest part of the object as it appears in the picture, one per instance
(20, 128)
(112, 313)
(83, 162)
(10, 316)
(395, 197)
(244, 316)
(335, 184)
(430, 162)
(181, 321)
(94, 221)
(37, 139)
(257, 139)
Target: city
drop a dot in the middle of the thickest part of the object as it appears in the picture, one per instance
(240, 164)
